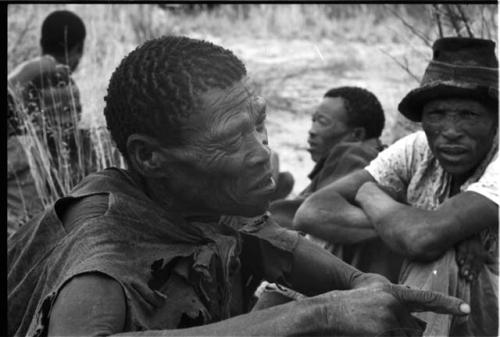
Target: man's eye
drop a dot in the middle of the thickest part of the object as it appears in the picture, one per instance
(469, 114)
(320, 120)
(233, 141)
(434, 115)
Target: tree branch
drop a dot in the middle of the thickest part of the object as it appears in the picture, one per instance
(452, 17)
(464, 19)
(420, 35)
(404, 66)
(437, 15)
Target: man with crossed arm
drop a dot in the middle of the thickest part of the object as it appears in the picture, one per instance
(433, 190)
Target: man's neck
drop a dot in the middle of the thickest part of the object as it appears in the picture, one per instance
(157, 190)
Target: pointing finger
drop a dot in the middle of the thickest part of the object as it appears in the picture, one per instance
(417, 300)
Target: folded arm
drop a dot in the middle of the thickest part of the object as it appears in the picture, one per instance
(30, 69)
(283, 211)
(332, 215)
(426, 234)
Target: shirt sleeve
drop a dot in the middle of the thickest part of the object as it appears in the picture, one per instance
(487, 185)
(268, 249)
(344, 159)
(392, 167)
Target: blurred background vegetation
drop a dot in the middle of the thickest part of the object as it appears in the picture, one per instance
(294, 53)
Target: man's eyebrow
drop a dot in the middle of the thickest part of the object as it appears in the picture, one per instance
(237, 98)
(437, 109)
(230, 126)
(322, 115)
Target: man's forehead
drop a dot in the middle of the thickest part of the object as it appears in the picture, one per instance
(331, 106)
(239, 93)
(226, 108)
(453, 102)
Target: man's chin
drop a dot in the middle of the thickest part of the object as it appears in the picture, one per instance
(314, 156)
(457, 168)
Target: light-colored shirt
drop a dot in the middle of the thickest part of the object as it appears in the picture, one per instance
(409, 168)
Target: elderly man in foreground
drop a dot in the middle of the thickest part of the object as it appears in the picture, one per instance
(176, 244)
(433, 193)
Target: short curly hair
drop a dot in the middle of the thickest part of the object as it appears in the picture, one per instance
(156, 87)
(61, 31)
(363, 109)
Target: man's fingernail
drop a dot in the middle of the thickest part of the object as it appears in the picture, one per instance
(465, 308)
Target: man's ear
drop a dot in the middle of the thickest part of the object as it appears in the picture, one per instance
(358, 133)
(148, 157)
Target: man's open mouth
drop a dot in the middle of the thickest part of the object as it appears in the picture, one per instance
(266, 183)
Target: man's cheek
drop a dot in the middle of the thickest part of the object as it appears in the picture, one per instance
(210, 160)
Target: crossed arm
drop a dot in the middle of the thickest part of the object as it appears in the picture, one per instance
(355, 209)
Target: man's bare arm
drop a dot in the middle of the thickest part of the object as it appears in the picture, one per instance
(426, 234)
(330, 213)
(95, 305)
(283, 211)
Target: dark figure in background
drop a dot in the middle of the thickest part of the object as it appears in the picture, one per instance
(433, 195)
(43, 94)
(343, 138)
(177, 243)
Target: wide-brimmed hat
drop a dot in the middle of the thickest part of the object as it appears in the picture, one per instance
(460, 67)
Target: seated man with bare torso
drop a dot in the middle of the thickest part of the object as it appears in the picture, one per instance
(176, 244)
(433, 195)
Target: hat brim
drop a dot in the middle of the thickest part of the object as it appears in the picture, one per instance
(411, 105)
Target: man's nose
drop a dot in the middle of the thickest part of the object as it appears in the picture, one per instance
(451, 127)
(262, 137)
(312, 132)
(262, 152)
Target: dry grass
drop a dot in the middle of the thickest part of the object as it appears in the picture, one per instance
(294, 53)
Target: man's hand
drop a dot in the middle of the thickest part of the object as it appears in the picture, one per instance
(383, 310)
(33, 68)
(417, 300)
(471, 257)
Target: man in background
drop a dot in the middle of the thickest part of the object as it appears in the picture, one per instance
(433, 195)
(43, 112)
(343, 138)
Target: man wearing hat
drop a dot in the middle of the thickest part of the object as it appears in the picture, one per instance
(434, 194)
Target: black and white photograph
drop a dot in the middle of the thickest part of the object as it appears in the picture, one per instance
(252, 169)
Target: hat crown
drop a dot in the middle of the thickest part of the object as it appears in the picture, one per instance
(460, 67)
(461, 51)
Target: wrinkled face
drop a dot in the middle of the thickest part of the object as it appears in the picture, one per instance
(460, 133)
(329, 127)
(228, 140)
